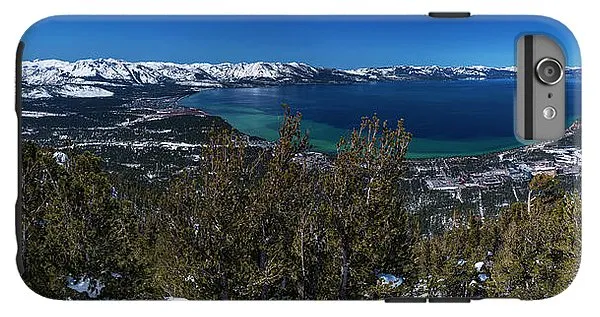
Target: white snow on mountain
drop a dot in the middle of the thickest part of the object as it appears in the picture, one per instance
(55, 72)
(259, 70)
(435, 72)
(82, 78)
(36, 93)
(107, 71)
(82, 91)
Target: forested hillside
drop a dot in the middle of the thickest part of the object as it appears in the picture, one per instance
(275, 225)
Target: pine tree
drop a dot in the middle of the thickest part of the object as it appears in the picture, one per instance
(275, 211)
(540, 242)
(206, 234)
(447, 262)
(367, 222)
(77, 231)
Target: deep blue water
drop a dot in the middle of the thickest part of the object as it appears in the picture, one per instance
(446, 118)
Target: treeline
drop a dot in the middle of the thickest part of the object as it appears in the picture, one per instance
(272, 225)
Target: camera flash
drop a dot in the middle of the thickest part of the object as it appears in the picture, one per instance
(549, 113)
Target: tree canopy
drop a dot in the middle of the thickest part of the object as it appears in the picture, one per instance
(272, 224)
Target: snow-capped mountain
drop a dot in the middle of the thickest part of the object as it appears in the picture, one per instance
(95, 77)
(117, 72)
(107, 72)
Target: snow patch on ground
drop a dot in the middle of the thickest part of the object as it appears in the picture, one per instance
(85, 285)
(482, 277)
(478, 266)
(60, 157)
(390, 279)
(81, 91)
(40, 114)
(175, 298)
(36, 93)
(131, 165)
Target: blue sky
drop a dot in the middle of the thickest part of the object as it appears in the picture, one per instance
(341, 42)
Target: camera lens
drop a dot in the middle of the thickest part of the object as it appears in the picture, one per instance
(549, 71)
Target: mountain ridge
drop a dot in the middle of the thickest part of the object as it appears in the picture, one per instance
(94, 77)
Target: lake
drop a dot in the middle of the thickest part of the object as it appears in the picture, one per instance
(446, 118)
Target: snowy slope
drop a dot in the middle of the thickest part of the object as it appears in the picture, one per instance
(54, 72)
(82, 91)
(95, 77)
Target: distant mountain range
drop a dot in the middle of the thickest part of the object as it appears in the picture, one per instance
(95, 77)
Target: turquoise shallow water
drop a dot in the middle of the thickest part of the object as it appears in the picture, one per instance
(460, 118)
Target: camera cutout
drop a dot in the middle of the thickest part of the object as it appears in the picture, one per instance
(540, 107)
(549, 71)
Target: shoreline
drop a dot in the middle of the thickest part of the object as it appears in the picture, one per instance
(419, 156)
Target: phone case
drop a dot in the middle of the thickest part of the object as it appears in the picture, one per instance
(296, 157)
